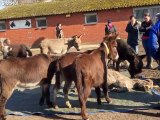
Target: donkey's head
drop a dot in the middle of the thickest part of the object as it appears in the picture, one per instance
(111, 43)
(75, 41)
(136, 65)
(5, 47)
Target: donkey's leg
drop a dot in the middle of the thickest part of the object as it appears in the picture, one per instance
(87, 91)
(6, 90)
(83, 93)
(3, 101)
(41, 101)
(67, 85)
(117, 65)
(56, 88)
(98, 92)
(45, 94)
(105, 91)
(44, 50)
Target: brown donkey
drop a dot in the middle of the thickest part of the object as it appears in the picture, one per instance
(99, 59)
(9, 50)
(25, 72)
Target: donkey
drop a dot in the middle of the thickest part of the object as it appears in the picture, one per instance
(62, 45)
(18, 51)
(65, 69)
(115, 79)
(26, 72)
(90, 70)
(127, 53)
(9, 50)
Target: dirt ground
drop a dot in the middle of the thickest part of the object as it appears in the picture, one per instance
(135, 115)
(134, 100)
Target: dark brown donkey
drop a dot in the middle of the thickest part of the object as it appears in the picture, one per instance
(65, 63)
(9, 50)
(25, 72)
(64, 73)
(18, 51)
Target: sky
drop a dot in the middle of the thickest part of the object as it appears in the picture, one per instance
(1, 7)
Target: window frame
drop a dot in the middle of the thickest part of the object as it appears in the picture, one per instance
(88, 14)
(41, 18)
(149, 8)
(5, 26)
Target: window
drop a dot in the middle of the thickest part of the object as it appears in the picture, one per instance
(91, 18)
(139, 12)
(2, 26)
(41, 22)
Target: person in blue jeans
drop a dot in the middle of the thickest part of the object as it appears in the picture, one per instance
(154, 39)
(133, 33)
(145, 29)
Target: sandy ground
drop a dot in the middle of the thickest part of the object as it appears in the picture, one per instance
(136, 115)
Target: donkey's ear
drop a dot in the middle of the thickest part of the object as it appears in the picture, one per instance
(142, 56)
(10, 48)
(80, 36)
(116, 34)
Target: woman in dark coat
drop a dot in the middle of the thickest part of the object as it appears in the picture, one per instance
(133, 32)
(145, 29)
(59, 31)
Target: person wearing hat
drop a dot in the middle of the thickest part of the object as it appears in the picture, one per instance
(110, 28)
(145, 29)
(154, 40)
(132, 29)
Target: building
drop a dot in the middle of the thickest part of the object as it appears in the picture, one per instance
(30, 23)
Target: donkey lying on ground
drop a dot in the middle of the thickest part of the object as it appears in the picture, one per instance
(98, 58)
(62, 45)
(9, 50)
(122, 83)
(127, 53)
(25, 72)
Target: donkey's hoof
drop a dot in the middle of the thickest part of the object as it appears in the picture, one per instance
(68, 104)
(55, 107)
(50, 104)
(99, 102)
(85, 118)
(3, 117)
(108, 100)
(41, 103)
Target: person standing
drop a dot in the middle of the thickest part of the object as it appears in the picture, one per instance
(110, 28)
(133, 33)
(145, 29)
(59, 31)
(154, 40)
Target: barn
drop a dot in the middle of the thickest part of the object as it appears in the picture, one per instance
(30, 23)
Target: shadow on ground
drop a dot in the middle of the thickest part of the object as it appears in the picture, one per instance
(27, 102)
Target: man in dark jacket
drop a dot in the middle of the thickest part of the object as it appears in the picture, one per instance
(133, 32)
(154, 39)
